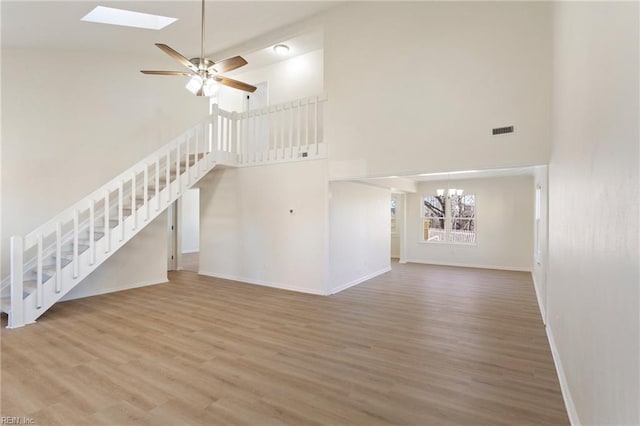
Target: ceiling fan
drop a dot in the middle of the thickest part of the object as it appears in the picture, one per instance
(204, 73)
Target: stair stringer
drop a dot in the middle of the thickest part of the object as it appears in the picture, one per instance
(168, 195)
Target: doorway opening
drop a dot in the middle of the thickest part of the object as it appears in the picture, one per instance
(189, 215)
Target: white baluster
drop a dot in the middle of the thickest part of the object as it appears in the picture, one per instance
(39, 274)
(234, 134)
(196, 163)
(317, 133)
(157, 176)
(306, 125)
(274, 121)
(251, 147)
(178, 169)
(58, 257)
(76, 267)
(168, 177)
(229, 133)
(222, 135)
(107, 230)
(245, 145)
(120, 209)
(16, 317)
(187, 175)
(217, 126)
(145, 191)
(260, 119)
(92, 246)
(213, 128)
(299, 125)
(281, 112)
(291, 113)
(134, 219)
(273, 131)
(241, 138)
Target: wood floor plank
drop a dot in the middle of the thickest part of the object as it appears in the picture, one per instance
(419, 345)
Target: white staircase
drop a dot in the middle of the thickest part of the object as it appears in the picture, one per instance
(51, 260)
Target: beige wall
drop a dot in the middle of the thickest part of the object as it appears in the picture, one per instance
(593, 277)
(124, 270)
(359, 238)
(75, 124)
(416, 87)
(504, 211)
(247, 232)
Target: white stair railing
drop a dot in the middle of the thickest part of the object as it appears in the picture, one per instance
(56, 256)
(289, 131)
(52, 259)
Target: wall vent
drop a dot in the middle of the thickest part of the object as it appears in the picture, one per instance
(502, 130)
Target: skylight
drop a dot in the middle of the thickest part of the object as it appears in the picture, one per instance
(127, 18)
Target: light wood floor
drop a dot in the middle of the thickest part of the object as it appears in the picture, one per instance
(421, 345)
(191, 261)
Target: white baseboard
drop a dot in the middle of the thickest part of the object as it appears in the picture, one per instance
(539, 298)
(472, 265)
(114, 289)
(562, 378)
(360, 280)
(262, 283)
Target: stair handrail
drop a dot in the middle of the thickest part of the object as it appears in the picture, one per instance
(49, 227)
(66, 215)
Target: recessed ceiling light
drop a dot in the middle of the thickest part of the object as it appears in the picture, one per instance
(127, 18)
(281, 49)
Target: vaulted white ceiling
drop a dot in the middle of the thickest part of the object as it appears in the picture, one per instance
(57, 25)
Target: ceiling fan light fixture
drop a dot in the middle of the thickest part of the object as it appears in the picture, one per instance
(210, 87)
(203, 71)
(281, 49)
(194, 84)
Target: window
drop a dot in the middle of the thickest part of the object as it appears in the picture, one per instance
(450, 218)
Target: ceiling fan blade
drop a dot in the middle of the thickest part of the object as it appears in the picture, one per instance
(235, 84)
(177, 56)
(229, 64)
(166, 72)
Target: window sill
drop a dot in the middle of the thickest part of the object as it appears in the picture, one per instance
(447, 243)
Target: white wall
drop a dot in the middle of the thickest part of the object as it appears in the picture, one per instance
(504, 212)
(248, 234)
(539, 262)
(73, 126)
(287, 80)
(190, 220)
(359, 233)
(593, 277)
(425, 82)
(142, 261)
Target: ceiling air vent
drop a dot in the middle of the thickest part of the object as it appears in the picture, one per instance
(502, 130)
